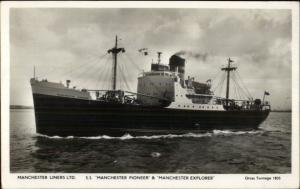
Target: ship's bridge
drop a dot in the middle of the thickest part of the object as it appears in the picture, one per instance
(159, 84)
(158, 73)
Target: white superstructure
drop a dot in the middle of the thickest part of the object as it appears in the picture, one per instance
(165, 82)
(181, 100)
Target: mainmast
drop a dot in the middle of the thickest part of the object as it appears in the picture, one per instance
(228, 69)
(115, 50)
(158, 58)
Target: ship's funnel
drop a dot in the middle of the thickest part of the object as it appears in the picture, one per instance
(177, 63)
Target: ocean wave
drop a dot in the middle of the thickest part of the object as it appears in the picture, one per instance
(228, 132)
(167, 136)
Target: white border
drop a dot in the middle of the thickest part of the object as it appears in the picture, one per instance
(220, 180)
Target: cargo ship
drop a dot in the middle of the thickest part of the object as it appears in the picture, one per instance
(166, 102)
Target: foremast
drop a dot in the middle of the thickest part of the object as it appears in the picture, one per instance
(115, 50)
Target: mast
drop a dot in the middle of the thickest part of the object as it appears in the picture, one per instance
(228, 69)
(115, 50)
(158, 58)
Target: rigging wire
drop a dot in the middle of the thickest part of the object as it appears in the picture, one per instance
(215, 89)
(95, 71)
(241, 89)
(239, 77)
(107, 77)
(220, 81)
(59, 71)
(233, 89)
(119, 79)
(123, 70)
(54, 68)
(123, 79)
(102, 73)
(216, 76)
(84, 70)
(132, 62)
(222, 84)
(89, 70)
(236, 91)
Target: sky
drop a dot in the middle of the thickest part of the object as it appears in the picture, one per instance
(70, 43)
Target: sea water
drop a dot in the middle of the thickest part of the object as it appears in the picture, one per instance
(267, 150)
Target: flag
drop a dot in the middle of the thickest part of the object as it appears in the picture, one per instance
(267, 93)
(229, 60)
(144, 51)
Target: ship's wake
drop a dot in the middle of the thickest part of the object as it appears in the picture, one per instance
(167, 136)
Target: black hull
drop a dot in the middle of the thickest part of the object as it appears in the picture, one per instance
(66, 116)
